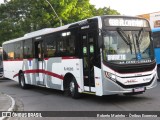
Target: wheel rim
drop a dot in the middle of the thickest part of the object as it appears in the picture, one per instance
(72, 87)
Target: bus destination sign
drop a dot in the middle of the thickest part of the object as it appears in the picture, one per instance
(125, 22)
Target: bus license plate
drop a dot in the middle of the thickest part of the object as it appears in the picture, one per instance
(139, 89)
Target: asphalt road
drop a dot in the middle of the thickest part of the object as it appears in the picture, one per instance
(42, 99)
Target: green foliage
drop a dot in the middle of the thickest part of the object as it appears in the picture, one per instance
(104, 11)
(22, 16)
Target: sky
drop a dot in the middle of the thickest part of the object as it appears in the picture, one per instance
(129, 7)
(1, 1)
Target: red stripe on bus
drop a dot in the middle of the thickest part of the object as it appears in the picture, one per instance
(64, 58)
(41, 71)
(18, 60)
(67, 57)
(54, 75)
(12, 60)
(15, 75)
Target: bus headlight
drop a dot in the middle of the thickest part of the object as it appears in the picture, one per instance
(110, 76)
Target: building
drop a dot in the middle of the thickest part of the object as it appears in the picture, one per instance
(154, 19)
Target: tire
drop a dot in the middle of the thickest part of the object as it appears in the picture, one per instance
(73, 89)
(22, 82)
(158, 72)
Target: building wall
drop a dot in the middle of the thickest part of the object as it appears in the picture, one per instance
(154, 19)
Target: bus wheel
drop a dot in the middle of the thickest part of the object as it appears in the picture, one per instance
(22, 81)
(158, 72)
(73, 89)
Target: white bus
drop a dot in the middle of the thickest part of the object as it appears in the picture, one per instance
(102, 55)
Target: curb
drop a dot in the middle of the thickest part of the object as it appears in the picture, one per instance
(13, 103)
(11, 108)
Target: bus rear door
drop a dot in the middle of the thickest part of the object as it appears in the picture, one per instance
(39, 56)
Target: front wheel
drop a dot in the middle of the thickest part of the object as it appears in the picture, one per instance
(73, 89)
(158, 72)
(22, 82)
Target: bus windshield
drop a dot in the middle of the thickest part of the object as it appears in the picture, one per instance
(127, 46)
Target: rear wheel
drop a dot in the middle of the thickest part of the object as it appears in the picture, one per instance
(22, 82)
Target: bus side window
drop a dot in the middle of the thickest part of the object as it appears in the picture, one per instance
(66, 44)
(11, 54)
(50, 46)
(18, 49)
(156, 40)
(28, 50)
(5, 51)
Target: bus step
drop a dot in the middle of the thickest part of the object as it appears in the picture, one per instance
(86, 92)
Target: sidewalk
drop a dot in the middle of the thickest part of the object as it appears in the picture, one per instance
(7, 103)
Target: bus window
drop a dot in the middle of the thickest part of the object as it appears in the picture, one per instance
(11, 53)
(50, 46)
(156, 36)
(18, 50)
(5, 51)
(28, 52)
(66, 44)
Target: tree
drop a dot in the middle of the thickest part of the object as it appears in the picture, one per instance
(103, 11)
(22, 16)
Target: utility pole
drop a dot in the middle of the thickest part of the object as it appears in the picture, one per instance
(60, 21)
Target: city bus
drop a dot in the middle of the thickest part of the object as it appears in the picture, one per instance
(156, 39)
(102, 55)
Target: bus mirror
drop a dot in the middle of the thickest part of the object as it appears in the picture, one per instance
(100, 41)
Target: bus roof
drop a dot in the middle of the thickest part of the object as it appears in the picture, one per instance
(37, 33)
(44, 31)
(156, 29)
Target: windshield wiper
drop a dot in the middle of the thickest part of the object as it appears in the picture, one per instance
(139, 39)
(126, 38)
(137, 43)
(140, 35)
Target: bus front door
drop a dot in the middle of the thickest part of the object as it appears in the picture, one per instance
(88, 60)
(39, 58)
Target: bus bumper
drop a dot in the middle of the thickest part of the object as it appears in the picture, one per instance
(113, 88)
